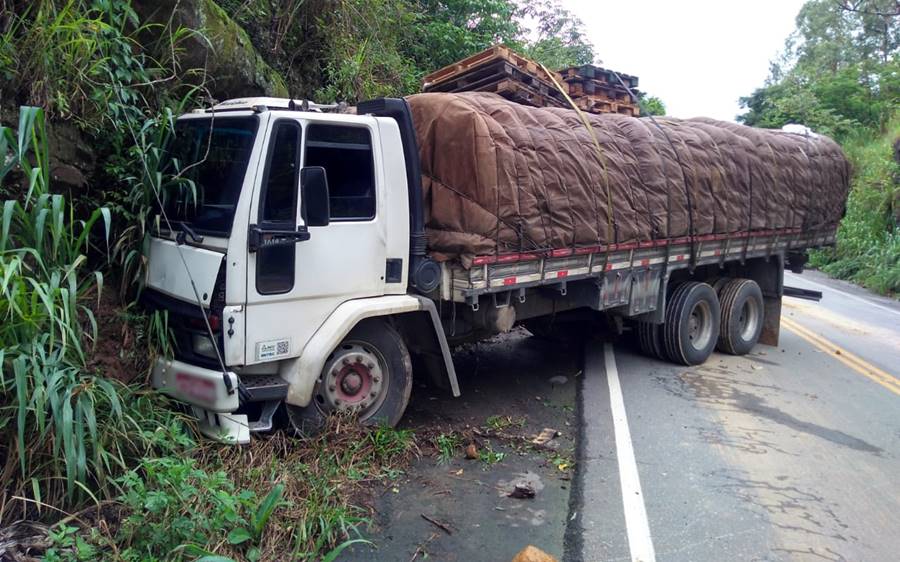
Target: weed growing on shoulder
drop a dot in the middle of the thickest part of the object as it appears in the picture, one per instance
(499, 423)
(488, 456)
(447, 444)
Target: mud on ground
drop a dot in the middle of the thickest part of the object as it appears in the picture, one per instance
(450, 507)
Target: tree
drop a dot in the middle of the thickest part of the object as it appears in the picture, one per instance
(839, 69)
(445, 31)
(559, 39)
(651, 105)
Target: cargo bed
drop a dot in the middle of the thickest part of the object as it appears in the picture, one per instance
(616, 268)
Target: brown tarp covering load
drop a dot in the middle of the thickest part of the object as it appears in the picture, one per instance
(502, 178)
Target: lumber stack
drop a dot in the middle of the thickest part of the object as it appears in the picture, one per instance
(501, 71)
(516, 78)
(598, 90)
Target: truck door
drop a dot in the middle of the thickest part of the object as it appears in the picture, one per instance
(292, 289)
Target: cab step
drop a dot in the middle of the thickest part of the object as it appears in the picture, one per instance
(263, 388)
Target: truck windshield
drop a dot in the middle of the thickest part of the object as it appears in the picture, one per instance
(208, 160)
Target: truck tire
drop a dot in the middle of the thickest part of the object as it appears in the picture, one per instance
(650, 340)
(691, 328)
(717, 285)
(369, 374)
(742, 316)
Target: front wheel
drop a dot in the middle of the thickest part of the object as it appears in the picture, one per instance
(369, 374)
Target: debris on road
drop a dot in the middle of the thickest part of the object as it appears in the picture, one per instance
(522, 491)
(533, 554)
(545, 436)
(525, 485)
(442, 526)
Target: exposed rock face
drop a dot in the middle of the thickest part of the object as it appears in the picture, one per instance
(233, 66)
(72, 157)
(72, 160)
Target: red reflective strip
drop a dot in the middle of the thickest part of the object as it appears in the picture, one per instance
(645, 262)
(561, 253)
(608, 267)
(509, 281)
(679, 257)
(481, 260)
(563, 273)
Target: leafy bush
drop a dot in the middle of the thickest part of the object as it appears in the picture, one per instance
(165, 496)
(868, 241)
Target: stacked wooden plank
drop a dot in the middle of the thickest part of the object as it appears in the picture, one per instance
(598, 90)
(502, 71)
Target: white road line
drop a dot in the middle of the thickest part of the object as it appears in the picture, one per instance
(848, 295)
(639, 542)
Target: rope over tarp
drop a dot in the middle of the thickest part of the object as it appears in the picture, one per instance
(500, 177)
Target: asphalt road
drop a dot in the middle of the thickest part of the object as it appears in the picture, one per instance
(789, 453)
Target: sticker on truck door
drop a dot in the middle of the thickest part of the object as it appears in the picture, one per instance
(272, 349)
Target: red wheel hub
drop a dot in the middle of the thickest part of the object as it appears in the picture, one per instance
(353, 383)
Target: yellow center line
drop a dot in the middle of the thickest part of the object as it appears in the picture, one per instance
(855, 362)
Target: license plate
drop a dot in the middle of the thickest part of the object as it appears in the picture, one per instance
(195, 387)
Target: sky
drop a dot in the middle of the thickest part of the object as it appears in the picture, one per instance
(698, 56)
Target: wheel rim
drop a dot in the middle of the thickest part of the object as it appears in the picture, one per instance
(354, 380)
(700, 325)
(749, 319)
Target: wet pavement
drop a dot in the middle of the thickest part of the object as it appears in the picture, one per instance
(515, 386)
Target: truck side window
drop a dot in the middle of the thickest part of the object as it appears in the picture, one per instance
(346, 154)
(278, 208)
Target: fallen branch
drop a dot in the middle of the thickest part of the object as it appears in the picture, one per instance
(438, 524)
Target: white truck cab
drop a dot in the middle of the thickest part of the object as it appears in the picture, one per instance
(292, 233)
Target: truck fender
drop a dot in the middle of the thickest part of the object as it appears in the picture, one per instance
(302, 372)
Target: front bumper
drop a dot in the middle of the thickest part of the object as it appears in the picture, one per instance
(205, 392)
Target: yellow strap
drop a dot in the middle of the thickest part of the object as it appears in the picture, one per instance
(587, 125)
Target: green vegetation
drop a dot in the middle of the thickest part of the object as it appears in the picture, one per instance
(868, 244)
(499, 423)
(840, 75)
(65, 424)
(488, 456)
(447, 445)
(348, 51)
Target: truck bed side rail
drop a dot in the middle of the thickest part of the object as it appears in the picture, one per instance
(616, 265)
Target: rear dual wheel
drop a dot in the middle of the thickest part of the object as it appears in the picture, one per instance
(742, 316)
(691, 327)
(369, 374)
(688, 334)
(650, 340)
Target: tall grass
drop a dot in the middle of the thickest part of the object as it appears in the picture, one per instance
(63, 430)
(868, 241)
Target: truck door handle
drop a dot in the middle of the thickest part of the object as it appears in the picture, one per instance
(264, 237)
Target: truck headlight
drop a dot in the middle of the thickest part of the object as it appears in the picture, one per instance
(204, 346)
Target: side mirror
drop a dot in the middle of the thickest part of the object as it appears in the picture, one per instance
(314, 206)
